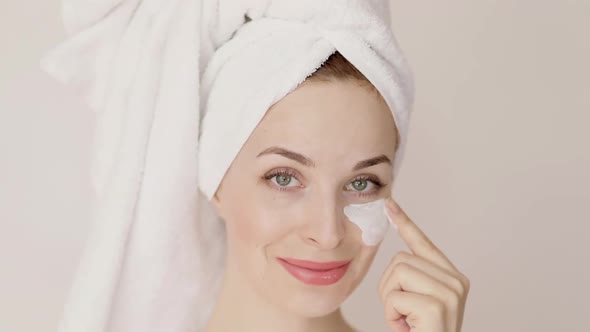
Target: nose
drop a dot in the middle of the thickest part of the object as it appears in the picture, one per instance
(324, 224)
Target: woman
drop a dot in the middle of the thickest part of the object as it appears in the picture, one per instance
(278, 215)
(276, 206)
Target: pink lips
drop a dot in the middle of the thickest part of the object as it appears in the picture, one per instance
(315, 273)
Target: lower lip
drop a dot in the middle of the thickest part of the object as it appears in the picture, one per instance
(315, 277)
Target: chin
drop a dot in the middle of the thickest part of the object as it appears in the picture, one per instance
(315, 303)
(311, 301)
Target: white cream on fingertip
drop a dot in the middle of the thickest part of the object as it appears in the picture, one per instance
(371, 218)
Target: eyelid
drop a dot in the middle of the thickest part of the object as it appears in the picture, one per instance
(375, 181)
(283, 170)
(373, 178)
(279, 171)
(293, 173)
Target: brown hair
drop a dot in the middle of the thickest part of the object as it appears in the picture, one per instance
(337, 67)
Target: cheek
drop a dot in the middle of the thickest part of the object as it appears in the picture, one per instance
(253, 233)
(368, 253)
(257, 223)
(365, 259)
(371, 220)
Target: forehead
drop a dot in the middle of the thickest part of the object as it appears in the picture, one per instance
(320, 118)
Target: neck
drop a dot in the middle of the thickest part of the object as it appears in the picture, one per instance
(239, 308)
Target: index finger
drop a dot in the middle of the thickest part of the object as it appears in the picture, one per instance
(415, 238)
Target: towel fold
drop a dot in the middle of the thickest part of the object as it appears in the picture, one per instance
(157, 74)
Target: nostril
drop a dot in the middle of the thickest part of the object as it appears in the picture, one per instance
(330, 242)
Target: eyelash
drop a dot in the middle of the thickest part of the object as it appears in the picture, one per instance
(291, 173)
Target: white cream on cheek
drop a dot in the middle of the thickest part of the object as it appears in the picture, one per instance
(371, 218)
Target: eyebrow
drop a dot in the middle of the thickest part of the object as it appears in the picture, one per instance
(309, 163)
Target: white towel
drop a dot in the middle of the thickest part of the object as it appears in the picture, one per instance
(157, 74)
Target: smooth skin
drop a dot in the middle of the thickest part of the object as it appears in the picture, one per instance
(421, 291)
(333, 125)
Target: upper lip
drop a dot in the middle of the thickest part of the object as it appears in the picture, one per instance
(312, 265)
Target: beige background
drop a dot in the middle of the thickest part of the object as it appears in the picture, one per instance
(496, 172)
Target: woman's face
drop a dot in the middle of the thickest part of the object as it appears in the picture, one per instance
(284, 194)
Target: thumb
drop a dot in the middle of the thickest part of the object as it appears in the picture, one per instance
(399, 325)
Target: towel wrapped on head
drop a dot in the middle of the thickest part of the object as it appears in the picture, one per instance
(177, 87)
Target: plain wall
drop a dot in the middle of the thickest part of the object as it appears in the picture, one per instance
(496, 171)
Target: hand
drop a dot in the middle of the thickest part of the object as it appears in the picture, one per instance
(423, 286)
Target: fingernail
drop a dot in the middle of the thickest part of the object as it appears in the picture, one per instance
(389, 218)
(394, 207)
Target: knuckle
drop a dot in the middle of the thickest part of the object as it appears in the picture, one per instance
(388, 297)
(453, 299)
(401, 268)
(401, 256)
(458, 286)
(436, 308)
(465, 283)
(381, 289)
